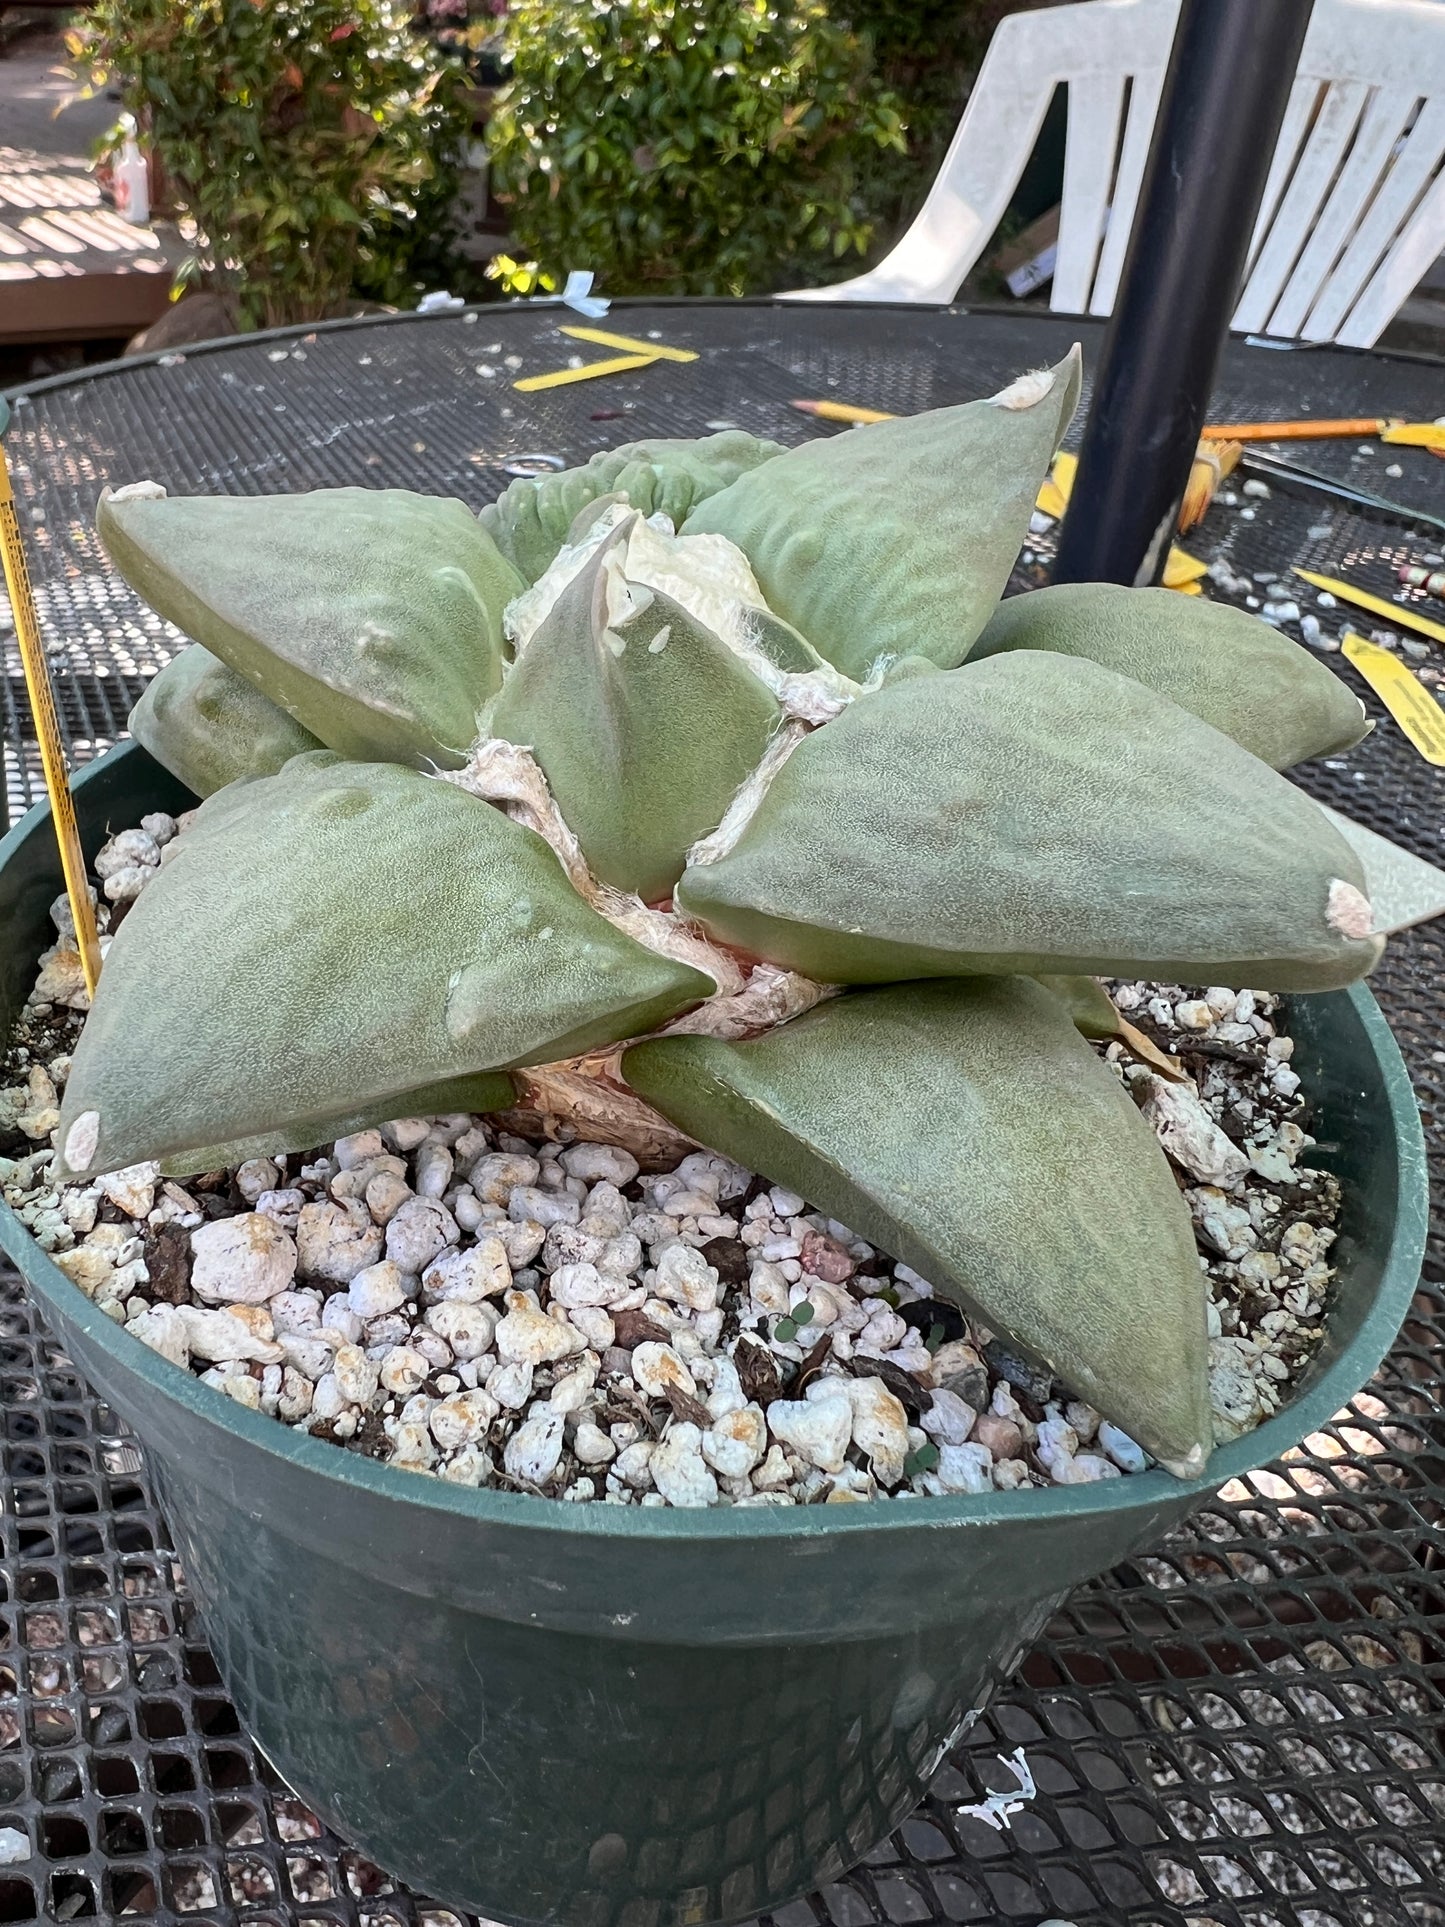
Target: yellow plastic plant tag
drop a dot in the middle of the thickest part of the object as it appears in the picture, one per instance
(1053, 497)
(1415, 434)
(1184, 571)
(47, 726)
(1408, 701)
(1397, 612)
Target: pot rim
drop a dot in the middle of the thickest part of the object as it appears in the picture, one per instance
(1322, 1397)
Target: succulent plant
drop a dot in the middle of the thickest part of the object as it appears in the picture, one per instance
(720, 767)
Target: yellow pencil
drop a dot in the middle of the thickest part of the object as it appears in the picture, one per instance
(840, 411)
(654, 350)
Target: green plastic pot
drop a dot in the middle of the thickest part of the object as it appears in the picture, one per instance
(589, 1714)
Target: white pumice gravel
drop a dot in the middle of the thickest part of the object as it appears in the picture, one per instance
(545, 1317)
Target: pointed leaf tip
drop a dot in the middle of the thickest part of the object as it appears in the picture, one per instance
(413, 941)
(897, 539)
(371, 616)
(970, 1131)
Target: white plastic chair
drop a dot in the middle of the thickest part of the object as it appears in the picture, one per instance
(1354, 206)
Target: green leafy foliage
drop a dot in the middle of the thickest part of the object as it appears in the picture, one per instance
(687, 146)
(313, 143)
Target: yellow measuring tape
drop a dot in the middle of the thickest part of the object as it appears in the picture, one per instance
(47, 726)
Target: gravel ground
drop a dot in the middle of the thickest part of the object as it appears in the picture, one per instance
(545, 1317)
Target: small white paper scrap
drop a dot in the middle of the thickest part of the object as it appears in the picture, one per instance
(578, 294)
(998, 1810)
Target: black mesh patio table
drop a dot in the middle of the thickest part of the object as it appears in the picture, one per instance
(1245, 1728)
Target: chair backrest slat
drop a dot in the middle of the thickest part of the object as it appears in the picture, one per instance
(1311, 184)
(1397, 199)
(1353, 211)
(1096, 108)
(1139, 132)
(1398, 274)
(1384, 123)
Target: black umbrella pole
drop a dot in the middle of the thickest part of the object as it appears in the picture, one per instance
(1229, 77)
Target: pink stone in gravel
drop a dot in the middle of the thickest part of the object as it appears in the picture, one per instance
(1002, 1437)
(825, 1258)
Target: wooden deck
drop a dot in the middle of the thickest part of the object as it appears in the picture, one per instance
(70, 268)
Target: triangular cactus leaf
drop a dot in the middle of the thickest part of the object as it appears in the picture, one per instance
(373, 616)
(487, 1091)
(970, 1131)
(532, 519)
(326, 943)
(1037, 813)
(1089, 1005)
(903, 667)
(644, 722)
(1231, 669)
(898, 539)
(209, 726)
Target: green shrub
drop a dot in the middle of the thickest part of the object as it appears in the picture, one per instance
(311, 142)
(688, 146)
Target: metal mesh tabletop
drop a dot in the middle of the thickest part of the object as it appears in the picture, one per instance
(1245, 1728)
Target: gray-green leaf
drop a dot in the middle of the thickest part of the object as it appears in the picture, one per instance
(1231, 669)
(1090, 1007)
(209, 726)
(1037, 813)
(897, 539)
(373, 616)
(644, 722)
(970, 1131)
(328, 943)
(531, 520)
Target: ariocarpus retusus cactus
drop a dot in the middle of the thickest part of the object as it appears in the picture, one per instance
(722, 756)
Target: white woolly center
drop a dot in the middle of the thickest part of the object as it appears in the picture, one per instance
(770, 997)
(744, 806)
(508, 774)
(1026, 391)
(707, 575)
(135, 492)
